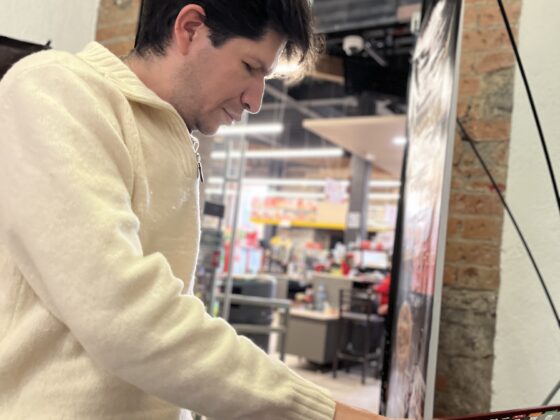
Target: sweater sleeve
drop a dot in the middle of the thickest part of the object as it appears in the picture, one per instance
(65, 215)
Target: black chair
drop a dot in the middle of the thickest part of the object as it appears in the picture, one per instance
(12, 50)
(360, 330)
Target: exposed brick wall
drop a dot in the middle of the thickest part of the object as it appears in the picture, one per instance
(116, 25)
(472, 261)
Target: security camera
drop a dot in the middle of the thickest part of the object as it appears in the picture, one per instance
(353, 44)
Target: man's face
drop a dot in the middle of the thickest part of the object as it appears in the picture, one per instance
(213, 86)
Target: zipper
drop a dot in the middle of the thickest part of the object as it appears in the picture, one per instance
(196, 145)
(199, 164)
(183, 127)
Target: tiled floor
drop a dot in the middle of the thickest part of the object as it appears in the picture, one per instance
(346, 388)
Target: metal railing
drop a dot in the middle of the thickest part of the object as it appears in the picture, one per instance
(272, 303)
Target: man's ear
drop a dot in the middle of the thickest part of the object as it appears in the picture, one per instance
(189, 21)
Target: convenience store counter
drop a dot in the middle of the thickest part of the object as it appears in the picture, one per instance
(312, 335)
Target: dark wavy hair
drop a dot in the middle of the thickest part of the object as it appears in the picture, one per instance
(228, 19)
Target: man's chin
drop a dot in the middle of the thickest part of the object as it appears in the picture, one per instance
(207, 131)
(195, 126)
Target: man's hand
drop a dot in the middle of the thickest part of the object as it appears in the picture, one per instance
(345, 412)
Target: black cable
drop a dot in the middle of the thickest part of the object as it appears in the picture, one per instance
(469, 140)
(551, 395)
(547, 157)
(531, 101)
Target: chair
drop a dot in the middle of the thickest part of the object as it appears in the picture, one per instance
(360, 330)
(12, 50)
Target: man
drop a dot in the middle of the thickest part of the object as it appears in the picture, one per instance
(99, 224)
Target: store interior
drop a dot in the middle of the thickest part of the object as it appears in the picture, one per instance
(300, 202)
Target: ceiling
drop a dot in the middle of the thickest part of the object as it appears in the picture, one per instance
(368, 137)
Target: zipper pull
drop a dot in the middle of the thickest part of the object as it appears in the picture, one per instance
(199, 164)
(195, 145)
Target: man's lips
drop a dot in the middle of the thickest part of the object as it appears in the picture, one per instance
(233, 116)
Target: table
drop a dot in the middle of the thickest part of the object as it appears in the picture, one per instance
(312, 335)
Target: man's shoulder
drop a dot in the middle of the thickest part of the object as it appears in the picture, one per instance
(61, 77)
(40, 62)
(52, 65)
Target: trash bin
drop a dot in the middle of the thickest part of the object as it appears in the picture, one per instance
(259, 286)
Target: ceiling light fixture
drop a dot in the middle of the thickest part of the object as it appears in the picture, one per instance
(385, 183)
(284, 153)
(383, 197)
(304, 195)
(239, 130)
(303, 182)
(294, 194)
(279, 194)
(276, 182)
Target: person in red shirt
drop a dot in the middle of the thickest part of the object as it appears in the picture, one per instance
(382, 289)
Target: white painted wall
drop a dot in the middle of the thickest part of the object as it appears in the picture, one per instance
(69, 24)
(527, 345)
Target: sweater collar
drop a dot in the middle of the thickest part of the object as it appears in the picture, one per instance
(111, 67)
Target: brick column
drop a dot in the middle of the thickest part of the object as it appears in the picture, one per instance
(116, 25)
(472, 261)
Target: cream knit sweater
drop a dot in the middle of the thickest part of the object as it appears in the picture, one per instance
(99, 235)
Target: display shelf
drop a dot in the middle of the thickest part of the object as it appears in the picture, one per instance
(311, 225)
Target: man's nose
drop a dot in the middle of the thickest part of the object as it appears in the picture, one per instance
(253, 96)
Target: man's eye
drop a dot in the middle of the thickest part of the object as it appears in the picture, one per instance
(248, 68)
